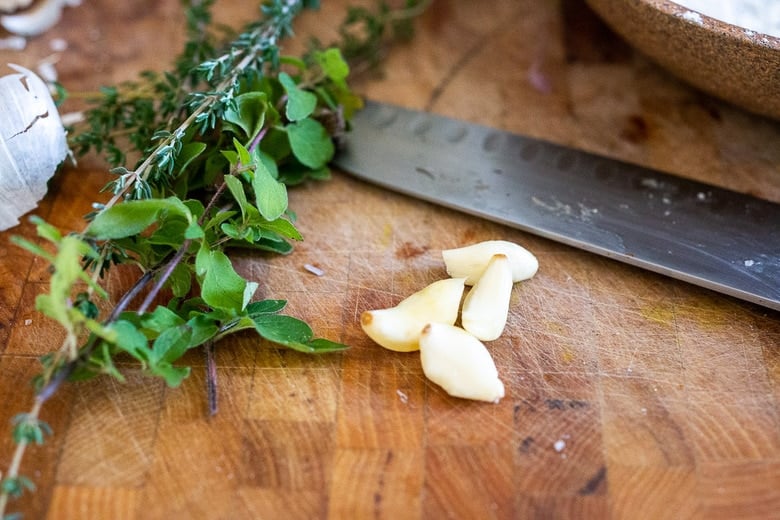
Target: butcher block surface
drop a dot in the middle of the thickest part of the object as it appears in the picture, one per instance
(628, 395)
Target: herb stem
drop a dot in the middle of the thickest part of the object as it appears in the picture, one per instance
(166, 273)
(211, 377)
(16, 459)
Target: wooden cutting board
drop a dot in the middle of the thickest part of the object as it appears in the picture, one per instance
(629, 395)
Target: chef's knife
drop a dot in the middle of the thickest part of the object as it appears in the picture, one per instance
(708, 236)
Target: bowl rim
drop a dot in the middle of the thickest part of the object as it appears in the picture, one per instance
(751, 36)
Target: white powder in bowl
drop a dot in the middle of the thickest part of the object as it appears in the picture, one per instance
(761, 16)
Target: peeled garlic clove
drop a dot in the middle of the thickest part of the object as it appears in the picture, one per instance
(459, 363)
(486, 306)
(471, 261)
(398, 328)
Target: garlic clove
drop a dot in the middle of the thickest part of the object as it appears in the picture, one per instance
(37, 20)
(398, 328)
(459, 363)
(9, 6)
(470, 261)
(486, 306)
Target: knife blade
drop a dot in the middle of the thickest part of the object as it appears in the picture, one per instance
(705, 235)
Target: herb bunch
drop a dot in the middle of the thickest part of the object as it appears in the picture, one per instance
(214, 143)
(219, 139)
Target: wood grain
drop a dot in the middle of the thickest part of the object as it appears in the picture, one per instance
(629, 395)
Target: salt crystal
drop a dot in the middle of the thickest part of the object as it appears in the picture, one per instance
(559, 445)
(692, 16)
(402, 396)
(58, 44)
(749, 263)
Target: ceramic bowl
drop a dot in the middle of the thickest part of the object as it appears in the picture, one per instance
(724, 60)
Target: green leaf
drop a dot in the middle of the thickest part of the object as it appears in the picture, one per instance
(172, 375)
(131, 340)
(270, 194)
(223, 288)
(236, 188)
(67, 270)
(283, 227)
(180, 280)
(219, 218)
(202, 260)
(29, 429)
(267, 244)
(16, 486)
(248, 113)
(189, 152)
(265, 307)
(194, 231)
(160, 319)
(203, 328)
(243, 154)
(310, 143)
(259, 156)
(33, 248)
(171, 344)
(333, 64)
(292, 333)
(46, 230)
(171, 234)
(321, 345)
(300, 103)
(285, 330)
(131, 217)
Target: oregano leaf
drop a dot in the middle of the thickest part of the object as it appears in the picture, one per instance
(270, 194)
(333, 64)
(134, 216)
(300, 103)
(248, 112)
(223, 288)
(310, 143)
(282, 329)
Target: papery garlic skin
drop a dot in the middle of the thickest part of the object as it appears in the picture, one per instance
(486, 306)
(398, 328)
(471, 261)
(32, 143)
(459, 363)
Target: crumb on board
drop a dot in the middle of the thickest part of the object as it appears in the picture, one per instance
(313, 269)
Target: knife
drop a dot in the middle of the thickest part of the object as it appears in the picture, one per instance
(708, 236)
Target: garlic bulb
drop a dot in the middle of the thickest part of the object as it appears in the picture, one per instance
(32, 143)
